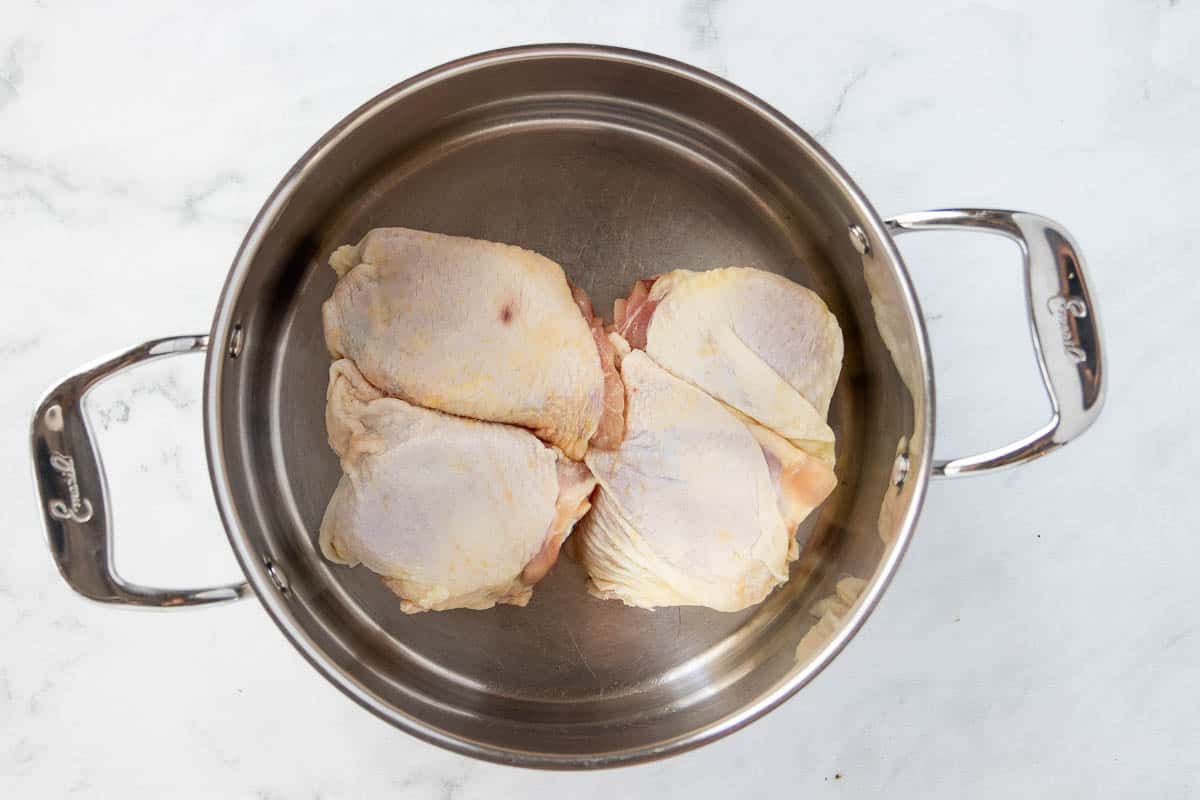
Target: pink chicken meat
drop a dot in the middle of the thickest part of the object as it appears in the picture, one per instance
(473, 328)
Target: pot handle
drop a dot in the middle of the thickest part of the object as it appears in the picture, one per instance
(1062, 316)
(73, 493)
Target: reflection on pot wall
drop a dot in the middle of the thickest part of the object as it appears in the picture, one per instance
(829, 611)
(893, 323)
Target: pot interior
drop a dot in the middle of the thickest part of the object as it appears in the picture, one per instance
(618, 166)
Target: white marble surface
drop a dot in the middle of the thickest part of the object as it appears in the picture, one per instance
(1042, 636)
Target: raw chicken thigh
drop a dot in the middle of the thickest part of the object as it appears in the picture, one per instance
(726, 446)
(472, 378)
(478, 329)
(754, 340)
(698, 505)
(451, 512)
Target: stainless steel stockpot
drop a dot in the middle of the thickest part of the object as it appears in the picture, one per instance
(618, 165)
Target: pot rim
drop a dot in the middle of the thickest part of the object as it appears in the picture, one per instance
(256, 570)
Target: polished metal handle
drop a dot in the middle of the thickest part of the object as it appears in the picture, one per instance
(74, 495)
(1062, 316)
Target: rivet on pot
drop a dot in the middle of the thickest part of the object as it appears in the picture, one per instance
(900, 470)
(236, 340)
(277, 577)
(858, 238)
(54, 418)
